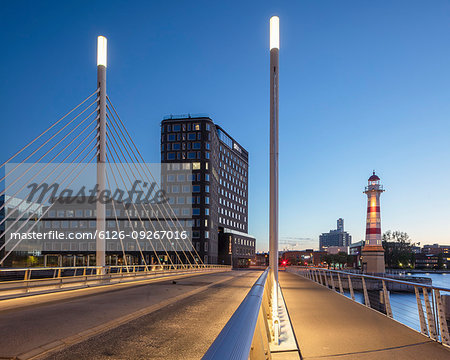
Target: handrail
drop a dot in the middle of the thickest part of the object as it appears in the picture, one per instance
(235, 339)
(379, 278)
(59, 281)
(431, 304)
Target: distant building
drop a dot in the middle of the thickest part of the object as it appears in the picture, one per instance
(355, 250)
(432, 261)
(336, 249)
(304, 257)
(436, 249)
(260, 259)
(337, 237)
(340, 224)
(219, 166)
(12, 209)
(235, 248)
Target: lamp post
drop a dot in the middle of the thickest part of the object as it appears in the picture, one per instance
(273, 223)
(101, 157)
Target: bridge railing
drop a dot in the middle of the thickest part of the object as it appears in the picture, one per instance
(247, 334)
(414, 302)
(16, 282)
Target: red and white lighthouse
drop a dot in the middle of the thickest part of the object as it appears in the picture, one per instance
(373, 252)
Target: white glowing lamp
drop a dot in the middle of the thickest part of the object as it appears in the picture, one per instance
(101, 51)
(274, 32)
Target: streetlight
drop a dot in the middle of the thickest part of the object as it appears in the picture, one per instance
(273, 207)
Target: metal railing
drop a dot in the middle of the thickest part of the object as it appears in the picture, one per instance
(422, 307)
(247, 334)
(16, 282)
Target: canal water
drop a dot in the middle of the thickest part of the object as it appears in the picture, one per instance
(404, 305)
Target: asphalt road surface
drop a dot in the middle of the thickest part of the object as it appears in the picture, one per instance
(175, 328)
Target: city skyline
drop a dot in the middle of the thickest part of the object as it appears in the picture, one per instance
(350, 101)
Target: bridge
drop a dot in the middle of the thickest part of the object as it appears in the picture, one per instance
(142, 289)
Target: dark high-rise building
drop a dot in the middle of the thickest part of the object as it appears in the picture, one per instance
(337, 237)
(219, 167)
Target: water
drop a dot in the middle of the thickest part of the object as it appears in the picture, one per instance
(404, 305)
(442, 280)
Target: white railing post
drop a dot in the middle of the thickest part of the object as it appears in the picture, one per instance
(387, 302)
(430, 315)
(423, 323)
(341, 289)
(350, 286)
(332, 281)
(442, 318)
(366, 295)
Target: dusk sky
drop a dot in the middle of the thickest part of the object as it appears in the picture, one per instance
(363, 85)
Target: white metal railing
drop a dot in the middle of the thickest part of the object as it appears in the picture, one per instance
(427, 311)
(248, 332)
(16, 282)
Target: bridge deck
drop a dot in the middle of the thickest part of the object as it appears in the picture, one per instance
(328, 325)
(153, 320)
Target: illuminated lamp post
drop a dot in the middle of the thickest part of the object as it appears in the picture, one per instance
(273, 207)
(101, 157)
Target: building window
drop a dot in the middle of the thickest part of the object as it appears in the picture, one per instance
(175, 146)
(176, 127)
(207, 188)
(196, 188)
(206, 177)
(195, 211)
(196, 146)
(208, 127)
(196, 166)
(192, 136)
(180, 200)
(192, 155)
(207, 212)
(207, 200)
(171, 156)
(171, 137)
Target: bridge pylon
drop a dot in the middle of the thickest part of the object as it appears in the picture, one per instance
(101, 157)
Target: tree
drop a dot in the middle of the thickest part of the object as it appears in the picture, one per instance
(398, 249)
(341, 258)
(329, 259)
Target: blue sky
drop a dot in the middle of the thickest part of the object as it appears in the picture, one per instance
(363, 85)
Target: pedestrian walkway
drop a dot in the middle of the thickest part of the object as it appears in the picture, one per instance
(328, 325)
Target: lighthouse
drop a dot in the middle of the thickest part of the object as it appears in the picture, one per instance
(373, 252)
